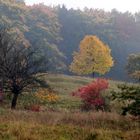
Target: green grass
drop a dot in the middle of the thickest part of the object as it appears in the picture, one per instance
(64, 85)
(64, 120)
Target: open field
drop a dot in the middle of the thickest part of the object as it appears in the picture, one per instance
(64, 120)
(63, 85)
(24, 125)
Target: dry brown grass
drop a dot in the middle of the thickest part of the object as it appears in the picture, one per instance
(66, 125)
(86, 119)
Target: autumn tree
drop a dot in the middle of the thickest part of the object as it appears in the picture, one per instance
(133, 66)
(18, 66)
(93, 57)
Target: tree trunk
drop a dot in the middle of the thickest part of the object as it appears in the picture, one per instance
(14, 101)
(93, 74)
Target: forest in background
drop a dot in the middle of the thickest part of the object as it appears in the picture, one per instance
(57, 32)
(41, 45)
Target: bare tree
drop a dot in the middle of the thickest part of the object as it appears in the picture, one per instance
(19, 63)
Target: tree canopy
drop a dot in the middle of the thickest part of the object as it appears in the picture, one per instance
(39, 25)
(119, 30)
(58, 31)
(93, 57)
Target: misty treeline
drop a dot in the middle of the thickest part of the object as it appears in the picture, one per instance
(57, 32)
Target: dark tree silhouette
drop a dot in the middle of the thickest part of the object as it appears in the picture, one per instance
(19, 64)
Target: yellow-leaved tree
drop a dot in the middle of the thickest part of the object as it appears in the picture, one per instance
(93, 57)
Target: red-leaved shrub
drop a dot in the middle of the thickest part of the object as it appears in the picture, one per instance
(91, 94)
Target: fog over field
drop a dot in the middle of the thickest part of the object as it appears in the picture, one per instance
(123, 6)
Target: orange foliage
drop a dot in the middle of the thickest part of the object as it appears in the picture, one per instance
(47, 95)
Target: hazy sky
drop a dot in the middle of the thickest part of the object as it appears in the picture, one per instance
(121, 5)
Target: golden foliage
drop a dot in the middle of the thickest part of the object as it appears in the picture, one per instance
(47, 95)
(93, 56)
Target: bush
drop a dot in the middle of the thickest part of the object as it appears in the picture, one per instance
(47, 95)
(91, 95)
(129, 95)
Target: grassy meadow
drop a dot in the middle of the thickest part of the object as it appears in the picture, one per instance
(64, 120)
